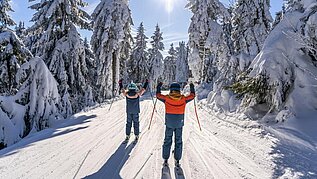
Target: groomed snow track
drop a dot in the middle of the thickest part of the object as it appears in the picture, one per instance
(89, 146)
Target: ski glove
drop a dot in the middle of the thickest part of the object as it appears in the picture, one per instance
(120, 84)
(158, 88)
(192, 88)
(146, 84)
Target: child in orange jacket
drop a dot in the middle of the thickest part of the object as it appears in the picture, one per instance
(175, 104)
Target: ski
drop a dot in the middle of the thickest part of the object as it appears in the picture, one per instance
(125, 141)
(179, 173)
(166, 172)
(135, 141)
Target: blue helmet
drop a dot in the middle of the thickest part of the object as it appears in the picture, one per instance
(175, 87)
(132, 87)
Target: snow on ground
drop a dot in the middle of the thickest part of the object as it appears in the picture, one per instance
(89, 146)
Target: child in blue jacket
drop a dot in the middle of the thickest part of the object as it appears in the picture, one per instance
(133, 107)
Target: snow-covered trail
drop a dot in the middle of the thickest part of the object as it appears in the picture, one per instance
(89, 146)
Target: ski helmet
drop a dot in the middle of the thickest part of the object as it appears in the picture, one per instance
(175, 87)
(132, 87)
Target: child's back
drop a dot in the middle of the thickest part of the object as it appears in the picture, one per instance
(133, 108)
(175, 104)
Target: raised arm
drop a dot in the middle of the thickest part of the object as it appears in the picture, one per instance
(122, 90)
(142, 91)
(159, 96)
(192, 95)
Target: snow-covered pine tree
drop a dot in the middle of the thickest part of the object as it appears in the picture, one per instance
(12, 51)
(20, 30)
(12, 55)
(30, 41)
(138, 64)
(248, 25)
(91, 91)
(155, 57)
(251, 24)
(182, 68)
(59, 44)
(291, 5)
(279, 16)
(222, 67)
(206, 13)
(39, 94)
(168, 76)
(111, 43)
(5, 19)
(285, 70)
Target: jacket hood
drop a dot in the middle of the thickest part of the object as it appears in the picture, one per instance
(175, 95)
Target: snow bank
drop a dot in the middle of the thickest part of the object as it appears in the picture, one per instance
(290, 71)
(12, 124)
(202, 90)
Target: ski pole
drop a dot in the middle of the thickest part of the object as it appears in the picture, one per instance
(152, 99)
(197, 114)
(152, 114)
(115, 92)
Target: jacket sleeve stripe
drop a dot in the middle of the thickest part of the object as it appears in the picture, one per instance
(190, 97)
(161, 97)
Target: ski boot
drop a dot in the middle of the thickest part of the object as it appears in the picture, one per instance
(136, 139)
(126, 140)
(177, 164)
(165, 164)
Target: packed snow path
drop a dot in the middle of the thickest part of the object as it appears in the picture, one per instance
(90, 146)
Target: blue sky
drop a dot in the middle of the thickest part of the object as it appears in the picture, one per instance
(171, 16)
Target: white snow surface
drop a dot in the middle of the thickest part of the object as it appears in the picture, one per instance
(11, 120)
(88, 145)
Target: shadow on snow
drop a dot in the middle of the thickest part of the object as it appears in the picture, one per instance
(46, 134)
(113, 166)
(299, 160)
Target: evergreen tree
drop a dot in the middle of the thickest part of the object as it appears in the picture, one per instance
(138, 65)
(170, 66)
(182, 68)
(111, 43)
(12, 52)
(56, 40)
(288, 58)
(5, 19)
(291, 5)
(31, 40)
(39, 95)
(206, 15)
(91, 91)
(251, 24)
(20, 30)
(156, 57)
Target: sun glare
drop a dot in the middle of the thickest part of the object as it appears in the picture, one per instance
(169, 5)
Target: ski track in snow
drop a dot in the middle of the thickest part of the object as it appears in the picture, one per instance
(90, 146)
